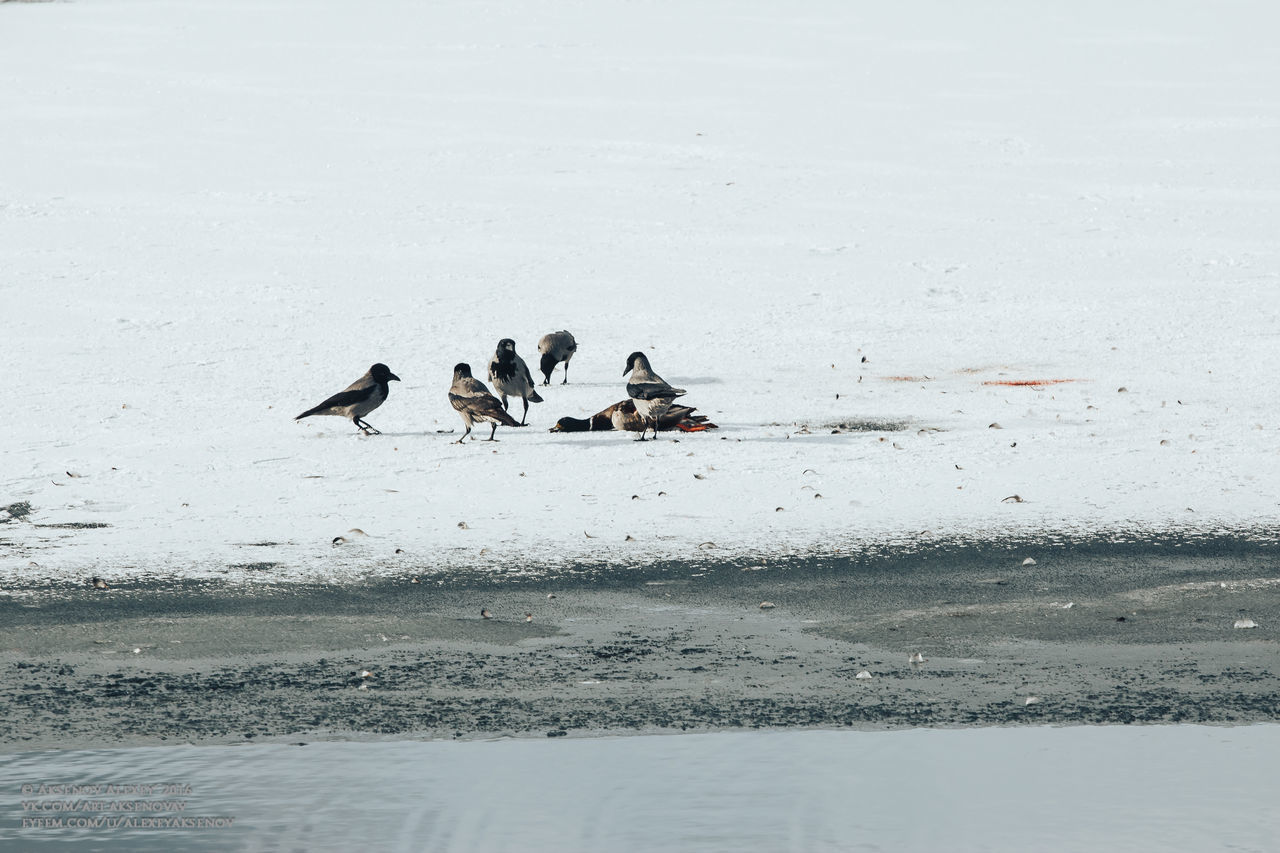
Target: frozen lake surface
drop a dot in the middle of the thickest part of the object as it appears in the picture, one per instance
(861, 237)
(1132, 788)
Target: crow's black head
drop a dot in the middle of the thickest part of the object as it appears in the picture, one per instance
(548, 364)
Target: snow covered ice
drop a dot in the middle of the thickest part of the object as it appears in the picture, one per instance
(821, 217)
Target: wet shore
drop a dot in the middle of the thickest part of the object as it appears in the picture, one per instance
(1083, 632)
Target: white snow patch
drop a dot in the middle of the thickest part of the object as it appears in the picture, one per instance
(219, 213)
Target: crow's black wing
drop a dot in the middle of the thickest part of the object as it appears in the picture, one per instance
(652, 391)
(338, 401)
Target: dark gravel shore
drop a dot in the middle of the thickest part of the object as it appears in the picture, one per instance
(1097, 632)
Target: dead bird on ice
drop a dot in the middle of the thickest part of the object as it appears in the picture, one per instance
(510, 375)
(556, 347)
(471, 398)
(358, 399)
(623, 415)
(649, 391)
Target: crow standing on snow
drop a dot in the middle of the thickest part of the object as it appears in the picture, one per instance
(649, 392)
(555, 348)
(474, 402)
(510, 375)
(357, 399)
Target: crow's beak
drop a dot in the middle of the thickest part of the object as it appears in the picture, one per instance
(393, 376)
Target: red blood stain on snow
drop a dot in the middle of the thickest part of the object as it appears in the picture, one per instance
(1020, 383)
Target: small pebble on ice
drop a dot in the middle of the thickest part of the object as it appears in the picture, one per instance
(1030, 561)
(1031, 700)
(917, 658)
(485, 614)
(767, 605)
(863, 676)
(1246, 623)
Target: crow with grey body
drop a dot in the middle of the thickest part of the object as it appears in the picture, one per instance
(510, 376)
(649, 392)
(358, 399)
(556, 347)
(472, 400)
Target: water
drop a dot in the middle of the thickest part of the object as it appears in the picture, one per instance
(1192, 788)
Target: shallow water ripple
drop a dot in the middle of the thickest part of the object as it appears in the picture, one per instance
(1193, 788)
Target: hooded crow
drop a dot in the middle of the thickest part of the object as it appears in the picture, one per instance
(555, 348)
(510, 375)
(474, 402)
(357, 399)
(649, 392)
(622, 415)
